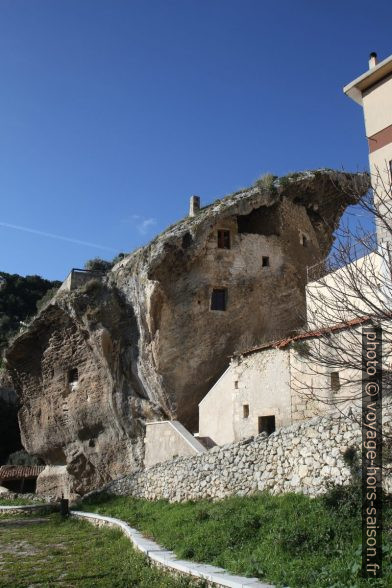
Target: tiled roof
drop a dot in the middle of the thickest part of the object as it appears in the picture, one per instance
(282, 343)
(11, 472)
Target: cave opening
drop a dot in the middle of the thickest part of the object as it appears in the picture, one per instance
(73, 375)
(10, 441)
(264, 220)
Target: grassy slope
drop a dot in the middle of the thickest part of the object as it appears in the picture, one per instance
(289, 540)
(74, 554)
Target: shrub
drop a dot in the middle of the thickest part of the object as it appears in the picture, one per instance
(91, 285)
(98, 265)
(265, 183)
(118, 258)
(42, 302)
(23, 458)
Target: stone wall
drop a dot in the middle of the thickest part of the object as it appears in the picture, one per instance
(77, 278)
(304, 457)
(167, 439)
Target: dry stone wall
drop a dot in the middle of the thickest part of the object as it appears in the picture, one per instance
(305, 457)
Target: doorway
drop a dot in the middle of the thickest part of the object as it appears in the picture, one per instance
(267, 424)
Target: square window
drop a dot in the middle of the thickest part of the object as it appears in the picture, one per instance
(335, 382)
(245, 411)
(265, 261)
(223, 239)
(219, 299)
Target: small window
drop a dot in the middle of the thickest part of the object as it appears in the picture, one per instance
(223, 239)
(267, 424)
(245, 411)
(304, 240)
(73, 375)
(335, 382)
(236, 384)
(219, 299)
(265, 262)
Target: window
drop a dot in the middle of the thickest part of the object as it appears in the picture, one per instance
(304, 240)
(265, 261)
(236, 384)
(390, 170)
(223, 239)
(335, 382)
(267, 424)
(73, 375)
(219, 299)
(245, 411)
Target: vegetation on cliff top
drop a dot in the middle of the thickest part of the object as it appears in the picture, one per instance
(97, 264)
(18, 301)
(289, 540)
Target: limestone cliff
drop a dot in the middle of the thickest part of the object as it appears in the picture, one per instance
(146, 342)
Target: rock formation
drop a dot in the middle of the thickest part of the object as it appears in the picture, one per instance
(149, 340)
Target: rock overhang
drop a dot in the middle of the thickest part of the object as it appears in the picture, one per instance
(146, 374)
(325, 193)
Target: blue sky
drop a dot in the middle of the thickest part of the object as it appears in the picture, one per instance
(113, 112)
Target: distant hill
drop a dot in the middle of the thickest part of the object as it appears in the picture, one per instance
(18, 301)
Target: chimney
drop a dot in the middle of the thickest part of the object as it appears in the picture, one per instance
(372, 60)
(194, 205)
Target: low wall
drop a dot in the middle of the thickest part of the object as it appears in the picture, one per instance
(165, 440)
(304, 457)
(28, 508)
(78, 277)
(163, 558)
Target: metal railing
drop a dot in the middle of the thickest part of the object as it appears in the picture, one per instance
(87, 271)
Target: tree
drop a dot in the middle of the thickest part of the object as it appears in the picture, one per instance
(18, 301)
(350, 289)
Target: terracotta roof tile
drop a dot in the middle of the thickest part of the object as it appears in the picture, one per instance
(11, 472)
(282, 343)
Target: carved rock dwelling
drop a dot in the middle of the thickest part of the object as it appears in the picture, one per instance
(148, 341)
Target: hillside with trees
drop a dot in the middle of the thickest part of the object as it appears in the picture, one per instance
(18, 301)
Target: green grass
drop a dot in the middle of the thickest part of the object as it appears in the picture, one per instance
(19, 501)
(74, 553)
(289, 540)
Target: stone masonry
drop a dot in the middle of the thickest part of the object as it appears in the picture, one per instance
(304, 457)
